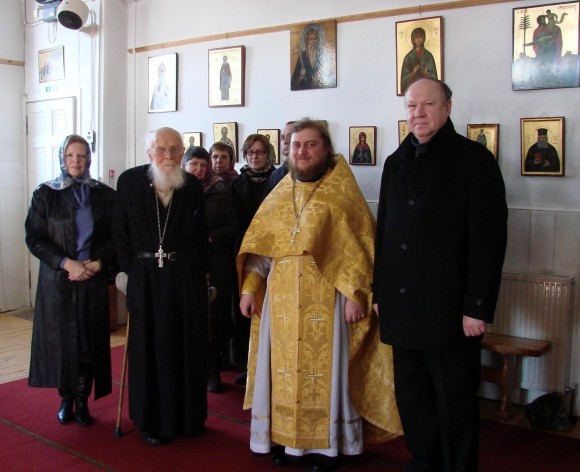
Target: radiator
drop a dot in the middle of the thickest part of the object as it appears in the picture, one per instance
(538, 307)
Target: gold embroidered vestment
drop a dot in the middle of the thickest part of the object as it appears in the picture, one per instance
(333, 251)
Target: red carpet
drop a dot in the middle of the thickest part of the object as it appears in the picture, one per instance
(32, 440)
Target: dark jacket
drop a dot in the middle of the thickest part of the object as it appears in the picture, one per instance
(224, 230)
(246, 197)
(274, 179)
(61, 305)
(441, 237)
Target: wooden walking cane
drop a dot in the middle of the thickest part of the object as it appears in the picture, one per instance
(118, 433)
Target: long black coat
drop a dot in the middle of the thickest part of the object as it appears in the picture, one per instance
(168, 305)
(63, 308)
(224, 230)
(441, 238)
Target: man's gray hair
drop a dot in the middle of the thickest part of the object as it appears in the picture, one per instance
(447, 93)
(151, 136)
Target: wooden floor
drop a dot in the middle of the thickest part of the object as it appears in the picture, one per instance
(15, 334)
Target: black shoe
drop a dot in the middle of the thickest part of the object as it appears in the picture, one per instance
(153, 439)
(197, 432)
(241, 379)
(214, 381)
(82, 413)
(317, 467)
(321, 463)
(280, 459)
(65, 413)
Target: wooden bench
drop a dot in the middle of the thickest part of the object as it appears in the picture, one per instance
(507, 346)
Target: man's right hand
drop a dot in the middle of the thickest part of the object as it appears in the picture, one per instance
(248, 305)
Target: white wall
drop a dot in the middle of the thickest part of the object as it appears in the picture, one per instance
(13, 280)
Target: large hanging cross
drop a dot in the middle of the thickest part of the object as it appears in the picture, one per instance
(294, 231)
(160, 255)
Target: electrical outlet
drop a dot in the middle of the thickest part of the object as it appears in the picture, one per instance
(90, 137)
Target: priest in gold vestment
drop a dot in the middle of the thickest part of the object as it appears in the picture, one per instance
(319, 380)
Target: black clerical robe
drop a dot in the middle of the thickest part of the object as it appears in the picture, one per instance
(168, 305)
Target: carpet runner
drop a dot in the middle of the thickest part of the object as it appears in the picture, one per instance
(32, 440)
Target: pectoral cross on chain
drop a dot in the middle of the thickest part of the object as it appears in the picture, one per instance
(294, 231)
(160, 255)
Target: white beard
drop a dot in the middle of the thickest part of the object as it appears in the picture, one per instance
(164, 183)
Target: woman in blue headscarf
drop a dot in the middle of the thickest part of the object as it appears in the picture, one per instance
(68, 229)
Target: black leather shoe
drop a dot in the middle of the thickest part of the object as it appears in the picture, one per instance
(153, 439)
(197, 432)
(280, 459)
(324, 464)
(82, 413)
(65, 413)
(241, 379)
(317, 467)
(214, 381)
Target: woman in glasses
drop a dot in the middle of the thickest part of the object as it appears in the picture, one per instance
(246, 197)
(68, 229)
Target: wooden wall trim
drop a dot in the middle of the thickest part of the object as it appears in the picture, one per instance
(418, 10)
(10, 62)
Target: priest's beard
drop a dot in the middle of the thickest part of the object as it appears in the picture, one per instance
(166, 182)
(308, 175)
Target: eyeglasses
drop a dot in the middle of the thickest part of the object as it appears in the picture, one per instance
(174, 151)
(257, 153)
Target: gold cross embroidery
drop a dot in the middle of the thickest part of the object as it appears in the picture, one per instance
(313, 376)
(316, 319)
(284, 317)
(285, 373)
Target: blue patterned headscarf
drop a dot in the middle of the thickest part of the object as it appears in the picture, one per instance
(64, 180)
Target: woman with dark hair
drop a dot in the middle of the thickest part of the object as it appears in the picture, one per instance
(223, 232)
(247, 194)
(68, 228)
(223, 162)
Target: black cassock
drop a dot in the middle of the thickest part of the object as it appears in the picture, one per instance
(168, 305)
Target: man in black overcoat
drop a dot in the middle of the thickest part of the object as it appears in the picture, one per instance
(162, 243)
(441, 237)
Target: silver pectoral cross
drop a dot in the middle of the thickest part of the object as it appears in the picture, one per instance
(294, 231)
(160, 255)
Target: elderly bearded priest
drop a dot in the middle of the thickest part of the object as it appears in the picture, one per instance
(316, 371)
(162, 244)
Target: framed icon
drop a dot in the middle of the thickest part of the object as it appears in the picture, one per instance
(542, 146)
(486, 134)
(273, 137)
(362, 145)
(226, 76)
(419, 50)
(192, 138)
(403, 130)
(227, 133)
(51, 64)
(163, 83)
(545, 46)
(313, 55)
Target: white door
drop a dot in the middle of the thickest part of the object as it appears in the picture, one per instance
(49, 122)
